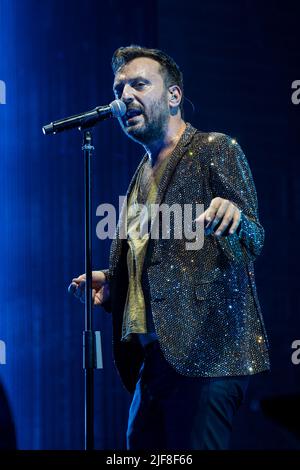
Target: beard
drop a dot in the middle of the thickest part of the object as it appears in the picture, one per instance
(151, 125)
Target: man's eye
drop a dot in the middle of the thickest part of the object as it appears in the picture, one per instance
(139, 85)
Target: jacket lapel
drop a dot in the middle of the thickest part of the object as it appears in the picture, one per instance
(174, 159)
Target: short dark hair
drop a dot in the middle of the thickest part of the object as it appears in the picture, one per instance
(168, 67)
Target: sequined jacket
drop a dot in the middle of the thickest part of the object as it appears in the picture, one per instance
(204, 302)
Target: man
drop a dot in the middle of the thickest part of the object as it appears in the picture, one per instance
(187, 326)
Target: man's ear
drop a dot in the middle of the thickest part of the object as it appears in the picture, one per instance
(175, 96)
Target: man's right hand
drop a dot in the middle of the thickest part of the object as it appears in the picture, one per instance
(100, 287)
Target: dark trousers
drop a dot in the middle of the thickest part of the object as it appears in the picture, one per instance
(170, 411)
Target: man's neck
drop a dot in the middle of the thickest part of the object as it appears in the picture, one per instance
(162, 149)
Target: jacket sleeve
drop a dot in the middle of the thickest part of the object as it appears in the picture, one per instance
(107, 305)
(231, 179)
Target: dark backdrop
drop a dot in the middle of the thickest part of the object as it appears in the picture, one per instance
(239, 60)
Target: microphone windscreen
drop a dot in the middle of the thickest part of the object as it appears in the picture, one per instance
(118, 108)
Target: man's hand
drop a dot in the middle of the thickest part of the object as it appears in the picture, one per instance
(100, 287)
(222, 214)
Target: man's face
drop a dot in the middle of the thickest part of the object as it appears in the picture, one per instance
(141, 86)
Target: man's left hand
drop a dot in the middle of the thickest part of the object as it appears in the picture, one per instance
(221, 215)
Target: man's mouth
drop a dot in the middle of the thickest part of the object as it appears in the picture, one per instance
(132, 113)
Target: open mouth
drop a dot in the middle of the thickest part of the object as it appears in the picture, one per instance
(131, 114)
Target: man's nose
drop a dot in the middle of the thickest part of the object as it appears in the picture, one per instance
(127, 94)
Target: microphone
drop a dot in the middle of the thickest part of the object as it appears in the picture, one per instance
(116, 108)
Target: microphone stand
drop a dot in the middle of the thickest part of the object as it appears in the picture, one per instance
(92, 356)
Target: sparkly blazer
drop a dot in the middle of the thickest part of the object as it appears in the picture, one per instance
(204, 302)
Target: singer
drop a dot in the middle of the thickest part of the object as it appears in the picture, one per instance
(187, 325)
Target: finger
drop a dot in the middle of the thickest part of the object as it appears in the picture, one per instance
(213, 208)
(206, 222)
(203, 219)
(98, 299)
(101, 295)
(226, 221)
(80, 290)
(95, 297)
(208, 229)
(236, 221)
(220, 213)
(79, 279)
(72, 288)
(82, 294)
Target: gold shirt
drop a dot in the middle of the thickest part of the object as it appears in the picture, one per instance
(142, 196)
